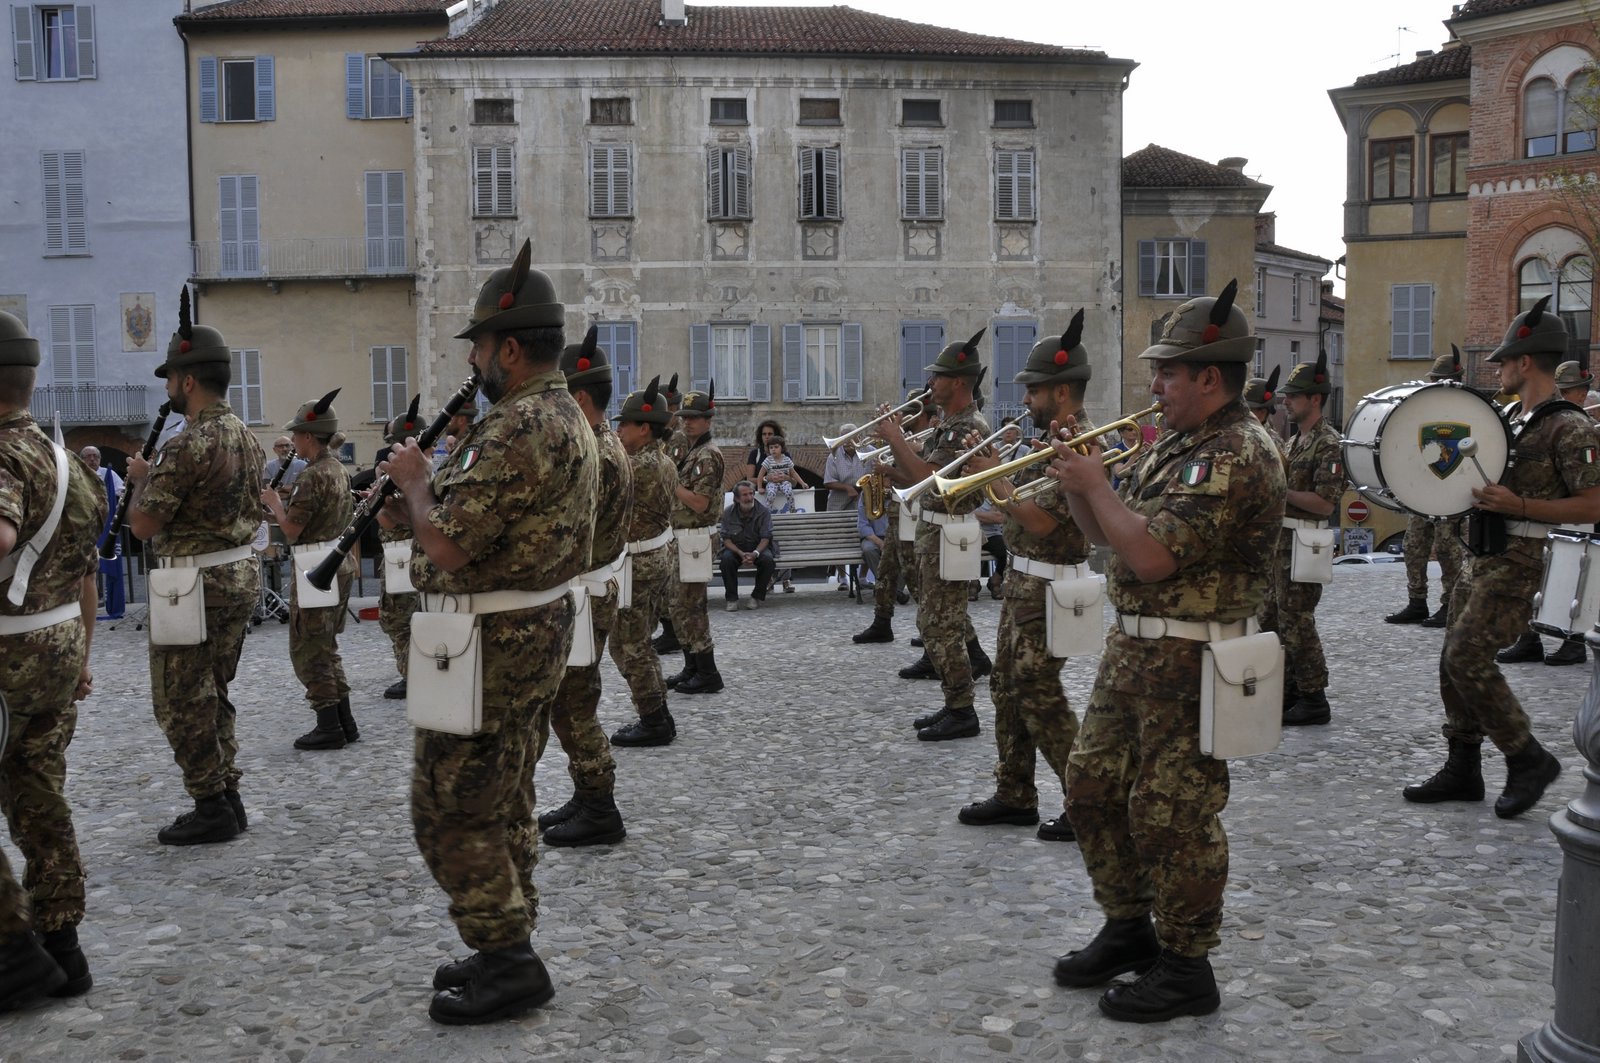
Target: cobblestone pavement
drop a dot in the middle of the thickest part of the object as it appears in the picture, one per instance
(794, 885)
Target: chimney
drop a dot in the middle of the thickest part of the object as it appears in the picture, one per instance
(1425, 53)
(673, 14)
(1233, 162)
(1266, 228)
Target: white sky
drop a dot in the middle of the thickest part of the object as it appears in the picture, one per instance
(1230, 77)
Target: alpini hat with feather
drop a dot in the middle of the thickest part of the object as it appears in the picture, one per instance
(1534, 331)
(1309, 378)
(16, 346)
(1260, 392)
(1572, 375)
(958, 359)
(515, 298)
(1207, 329)
(319, 418)
(670, 390)
(404, 426)
(700, 403)
(192, 344)
(1056, 360)
(647, 406)
(585, 363)
(1447, 366)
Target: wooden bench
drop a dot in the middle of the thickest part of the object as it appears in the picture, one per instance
(808, 540)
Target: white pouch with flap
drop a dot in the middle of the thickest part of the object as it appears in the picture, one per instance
(177, 606)
(960, 551)
(1074, 621)
(1312, 558)
(906, 522)
(694, 554)
(582, 654)
(397, 568)
(444, 674)
(1241, 696)
(305, 595)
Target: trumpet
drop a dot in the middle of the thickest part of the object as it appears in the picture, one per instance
(877, 453)
(910, 408)
(908, 495)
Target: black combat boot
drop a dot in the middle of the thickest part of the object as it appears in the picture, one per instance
(992, 810)
(706, 679)
(559, 815)
(1461, 778)
(236, 803)
(456, 972)
(1415, 612)
(981, 665)
(597, 822)
(1526, 648)
(347, 722)
(1527, 774)
(26, 970)
(667, 641)
(957, 723)
(915, 642)
(211, 821)
(62, 945)
(878, 631)
(1570, 651)
(922, 668)
(396, 690)
(504, 983)
(690, 667)
(1312, 708)
(1291, 694)
(1122, 945)
(1057, 830)
(929, 719)
(1175, 986)
(1441, 617)
(327, 734)
(652, 729)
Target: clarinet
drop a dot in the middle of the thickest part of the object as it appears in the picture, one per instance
(108, 545)
(366, 511)
(277, 477)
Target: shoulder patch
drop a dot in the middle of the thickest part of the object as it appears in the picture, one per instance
(1195, 473)
(469, 457)
(1336, 468)
(1589, 454)
(161, 455)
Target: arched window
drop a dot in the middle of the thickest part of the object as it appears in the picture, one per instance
(1540, 107)
(1580, 103)
(1571, 288)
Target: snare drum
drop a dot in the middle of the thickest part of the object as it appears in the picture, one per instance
(1401, 448)
(1568, 602)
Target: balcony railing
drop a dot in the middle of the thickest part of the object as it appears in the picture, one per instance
(91, 404)
(328, 256)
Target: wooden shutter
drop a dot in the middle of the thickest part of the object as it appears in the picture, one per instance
(75, 208)
(609, 181)
(355, 85)
(85, 30)
(616, 338)
(1197, 268)
(208, 88)
(266, 107)
(741, 183)
(1400, 321)
(380, 384)
(1147, 267)
(760, 363)
(715, 201)
(794, 363)
(72, 345)
(809, 207)
(910, 183)
(395, 217)
(22, 52)
(406, 103)
(55, 225)
(850, 363)
(699, 357)
(483, 181)
(920, 343)
(238, 227)
(830, 184)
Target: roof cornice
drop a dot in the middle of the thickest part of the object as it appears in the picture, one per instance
(1515, 23)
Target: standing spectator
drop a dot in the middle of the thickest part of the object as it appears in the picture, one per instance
(110, 567)
(874, 539)
(283, 447)
(777, 476)
(994, 544)
(839, 476)
(746, 540)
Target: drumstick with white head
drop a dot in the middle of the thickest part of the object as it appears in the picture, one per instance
(1468, 448)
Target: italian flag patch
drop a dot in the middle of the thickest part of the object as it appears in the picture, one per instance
(469, 458)
(1335, 468)
(1195, 473)
(1590, 453)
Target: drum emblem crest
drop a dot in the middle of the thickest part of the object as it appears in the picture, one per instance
(1443, 439)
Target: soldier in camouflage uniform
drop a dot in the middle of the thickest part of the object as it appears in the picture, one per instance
(698, 504)
(590, 817)
(676, 445)
(499, 531)
(318, 511)
(395, 609)
(1315, 480)
(1192, 536)
(1031, 712)
(898, 562)
(199, 503)
(46, 619)
(1260, 398)
(1554, 478)
(1424, 535)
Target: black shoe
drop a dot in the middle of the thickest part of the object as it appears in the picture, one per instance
(1528, 773)
(1291, 695)
(597, 822)
(706, 678)
(396, 690)
(26, 970)
(1175, 986)
(62, 945)
(1569, 652)
(981, 665)
(929, 719)
(667, 641)
(236, 803)
(1526, 648)
(1461, 778)
(1440, 618)
(958, 723)
(992, 810)
(347, 721)
(1415, 612)
(557, 815)
(1310, 709)
(922, 668)
(878, 631)
(327, 734)
(902, 598)
(688, 673)
(652, 729)
(211, 821)
(916, 642)
(456, 972)
(1057, 830)
(506, 983)
(1122, 945)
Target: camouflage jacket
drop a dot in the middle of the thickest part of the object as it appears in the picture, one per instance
(205, 483)
(1315, 462)
(677, 446)
(1067, 545)
(701, 472)
(27, 494)
(948, 444)
(614, 502)
(1556, 456)
(320, 500)
(654, 477)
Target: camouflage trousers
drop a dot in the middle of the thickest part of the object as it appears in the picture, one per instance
(38, 675)
(899, 564)
(1491, 609)
(942, 621)
(655, 577)
(1453, 556)
(314, 643)
(189, 684)
(472, 798)
(1031, 711)
(1424, 538)
(1296, 624)
(687, 606)
(573, 713)
(394, 619)
(1145, 802)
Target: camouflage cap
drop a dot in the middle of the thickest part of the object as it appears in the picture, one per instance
(958, 359)
(700, 403)
(1572, 375)
(514, 298)
(1534, 331)
(317, 418)
(193, 344)
(1447, 366)
(1205, 329)
(1056, 361)
(397, 430)
(585, 363)
(646, 406)
(1261, 392)
(16, 346)
(1310, 378)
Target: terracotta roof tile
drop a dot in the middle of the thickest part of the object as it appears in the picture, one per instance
(609, 27)
(1484, 8)
(302, 9)
(1279, 249)
(1448, 65)
(1156, 167)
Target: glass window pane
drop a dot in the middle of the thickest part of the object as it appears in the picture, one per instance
(239, 91)
(1535, 284)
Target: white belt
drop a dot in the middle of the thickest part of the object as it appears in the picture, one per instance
(491, 601)
(1294, 523)
(26, 622)
(644, 546)
(1045, 570)
(1159, 627)
(1529, 529)
(947, 518)
(597, 583)
(211, 560)
(312, 548)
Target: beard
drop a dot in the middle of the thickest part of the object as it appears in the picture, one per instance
(492, 380)
(178, 403)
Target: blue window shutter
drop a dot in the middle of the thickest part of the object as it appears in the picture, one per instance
(266, 109)
(208, 89)
(1147, 267)
(760, 363)
(406, 109)
(355, 85)
(616, 338)
(1197, 267)
(22, 43)
(699, 357)
(794, 363)
(850, 363)
(84, 15)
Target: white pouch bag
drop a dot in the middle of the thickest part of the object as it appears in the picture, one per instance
(307, 596)
(694, 555)
(905, 528)
(1241, 696)
(625, 583)
(397, 568)
(582, 653)
(444, 674)
(960, 551)
(1311, 561)
(177, 606)
(1074, 621)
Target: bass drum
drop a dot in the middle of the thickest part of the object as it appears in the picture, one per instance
(1402, 447)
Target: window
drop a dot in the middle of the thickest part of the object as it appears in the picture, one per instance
(386, 221)
(1014, 186)
(728, 184)
(729, 111)
(244, 390)
(1449, 154)
(239, 223)
(921, 184)
(391, 393)
(1578, 109)
(1261, 293)
(66, 223)
(53, 42)
(1540, 109)
(611, 110)
(493, 112)
(1411, 326)
(240, 91)
(1390, 162)
(1259, 366)
(1294, 352)
(920, 344)
(920, 112)
(819, 184)
(824, 111)
(1015, 114)
(72, 345)
(1013, 341)
(821, 363)
(374, 89)
(493, 186)
(620, 341)
(1169, 268)
(737, 356)
(1571, 288)
(1294, 297)
(610, 181)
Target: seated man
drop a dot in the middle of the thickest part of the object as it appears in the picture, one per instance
(873, 535)
(746, 540)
